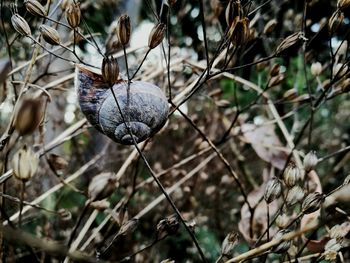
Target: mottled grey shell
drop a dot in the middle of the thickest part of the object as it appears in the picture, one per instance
(145, 109)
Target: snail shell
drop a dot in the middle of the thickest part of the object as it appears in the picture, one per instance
(145, 109)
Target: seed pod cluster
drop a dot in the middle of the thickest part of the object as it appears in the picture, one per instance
(273, 190)
(24, 164)
(312, 202)
(291, 175)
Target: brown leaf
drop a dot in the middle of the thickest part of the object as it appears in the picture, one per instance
(265, 143)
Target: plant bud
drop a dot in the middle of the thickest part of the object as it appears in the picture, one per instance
(273, 190)
(168, 226)
(110, 70)
(24, 164)
(35, 8)
(73, 14)
(275, 70)
(291, 175)
(50, 35)
(316, 68)
(20, 25)
(288, 42)
(270, 26)
(29, 115)
(343, 4)
(233, 11)
(128, 227)
(156, 36)
(310, 161)
(295, 195)
(102, 186)
(312, 203)
(124, 29)
(239, 31)
(282, 221)
(284, 245)
(229, 244)
(335, 21)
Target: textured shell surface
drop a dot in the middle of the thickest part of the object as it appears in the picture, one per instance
(143, 106)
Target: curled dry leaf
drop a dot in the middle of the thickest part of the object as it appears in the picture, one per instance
(265, 143)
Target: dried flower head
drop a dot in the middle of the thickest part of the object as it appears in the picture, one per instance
(35, 8)
(128, 227)
(20, 25)
(233, 11)
(157, 35)
(229, 244)
(275, 70)
(110, 70)
(288, 42)
(312, 203)
(29, 115)
(291, 175)
(73, 14)
(273, 190)
(310, 161)
(124, 29)
(295, 195)
(50, 35)
(284, 245)
(335, 21)
(24, 163)
(102, 186)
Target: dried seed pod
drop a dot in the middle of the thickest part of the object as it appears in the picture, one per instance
(290, 94)
(335, 21)
(229, 244)
(312, 203)
(310, 161)
(110, 70)
(343, 4)
(73, 14)
(157, 35)
(316, 68)
(24, 163)
(29, 115)
(291, 175)
(345, 85)
(102, 186)
(57, 162)
(100, 205)
(270, 26)
(288, 42)
(168, 226)
(124, 29)
(239, 32)
(284, 245)
(282, 221)
(233, 11)
(20, 25)
(273, 190)
(295, 195)
(275, 70)
(128, 227)
(275, 80)
(35, 8)
(50, 35)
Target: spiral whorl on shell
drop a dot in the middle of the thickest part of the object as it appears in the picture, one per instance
(145, 110)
